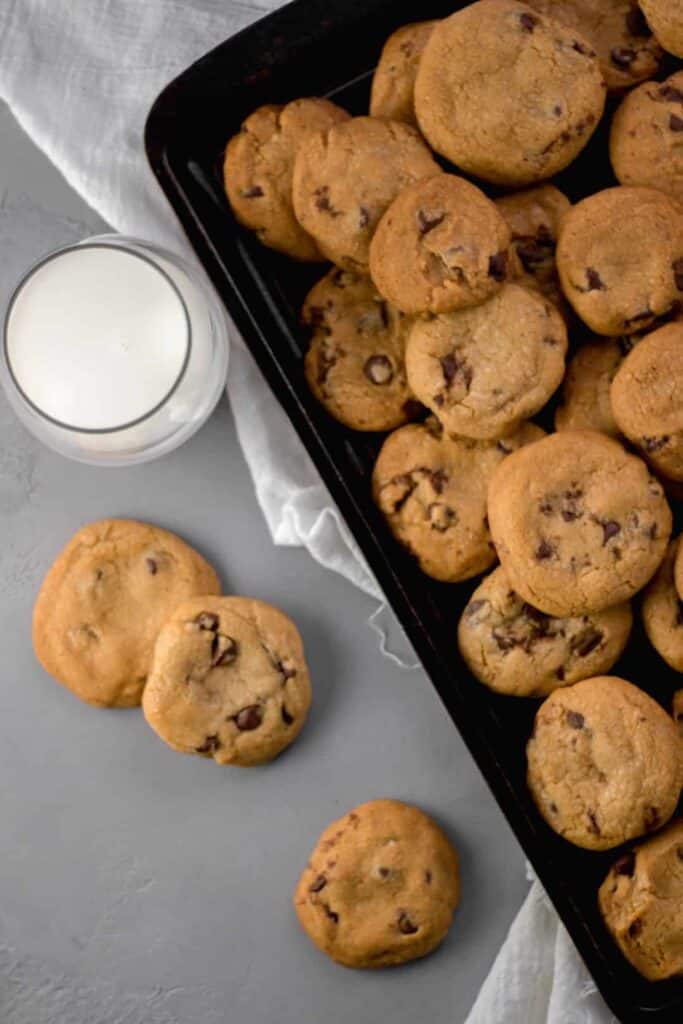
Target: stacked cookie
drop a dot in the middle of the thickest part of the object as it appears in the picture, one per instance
(447, 319)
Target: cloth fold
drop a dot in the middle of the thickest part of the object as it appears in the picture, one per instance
(80, 78)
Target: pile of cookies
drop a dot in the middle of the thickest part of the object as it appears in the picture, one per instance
(447, 319)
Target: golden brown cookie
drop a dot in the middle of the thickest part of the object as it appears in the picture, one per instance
(641, 902)
(258, 167)
(229, 681)
(355, 365)
(441, 246)
(646, 138)
(605, 763)
(102, 603)
(517, 650)
(393, 84)
(345, 179)
(578, 523)
(380, 887)
(507, 94)
(585, 402)
(620, 258)
(482, 371)
(665, 18)
(432, 490)
(663, 611)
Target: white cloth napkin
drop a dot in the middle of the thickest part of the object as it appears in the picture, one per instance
(80, 76)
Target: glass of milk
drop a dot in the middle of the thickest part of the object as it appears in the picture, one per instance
(115, 351)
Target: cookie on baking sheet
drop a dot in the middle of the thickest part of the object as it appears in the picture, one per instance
(665, 18)
(517, 650)
(258, 166)
(641, 902)
(229, 681)
(345, 178)
(484, 370)
(393, 84)
(663, 611)
(620, 258)
(103, 602)
(647, 399)
(618, 32)
(585, 402)
(605, 763)
(507, 94)
(534, 216)
(381, 886)
(442, 245)
(355, 365)
(646, 140)
(578, 523)
(432, 490)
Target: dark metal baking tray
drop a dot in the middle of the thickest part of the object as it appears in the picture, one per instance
(328, 48)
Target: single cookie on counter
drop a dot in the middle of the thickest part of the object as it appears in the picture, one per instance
(620, 258)
(355, 365)
(345, 178)
(665, 18)
(101, 605)
(645, 144)
(507, 94)
(258, 168)
(380, 887)
(641, 902)
(441, 246)
(578, 523)
(534, 218)
(647, 399)
(605, 763)
(516, 650)
(393, 84)
(228, 681)
(432, 490)
(617, 30)
(585, 402)
(484, 370)
(662, 611)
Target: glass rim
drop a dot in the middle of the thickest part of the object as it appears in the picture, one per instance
(55, 254)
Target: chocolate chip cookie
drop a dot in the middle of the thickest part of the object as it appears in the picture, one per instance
(620, 258)
(355, 365)
(345, 178)
(229, 681)
(517, 650)
(380, 887)
(665, 18)
(103, 602)
(647, 399)
(646, 138)
(605, 763)
(641, 902)
(393, 84)
(585, 402)
(578, 523)
(507, 94)
(663, 611)
(442, 245)
(484, 370)
(617, 31)
(432, 490)
(258, 167)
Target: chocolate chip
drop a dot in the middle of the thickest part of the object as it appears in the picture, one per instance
(652, 819)
(438, 478)
(677, 268)
(223, 650)
(428, 876)
(676, 125)
(505, 642)
(152, 566)
(586, 642)
(452, 367)
(554, 809)
(557, 110)
(210, 744)
(636, 25)
(654, 444)
(378, 370)
(363, 217)
(89, 632)
(383, 872)
(427, 222)
(405, 925)
(609, 529)
(286, 717)
(322, 201)
(670, 94)
(635, 928)
(330, 913)
(544, 551)
(560, 673)
(207, 620)
(318, 884)
(249, 718)
(441, 517)
(626, 865)
(255, 192)
(595, 282)
(498, 263)
(593, 824)
(622, 56)
(474, 606)
(575, 720)
(580, 48)
(528, 21)
(286, 669)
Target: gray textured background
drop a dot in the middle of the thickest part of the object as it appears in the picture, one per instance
(138, 886)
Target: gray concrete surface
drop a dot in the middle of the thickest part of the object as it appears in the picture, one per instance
(138, 886)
